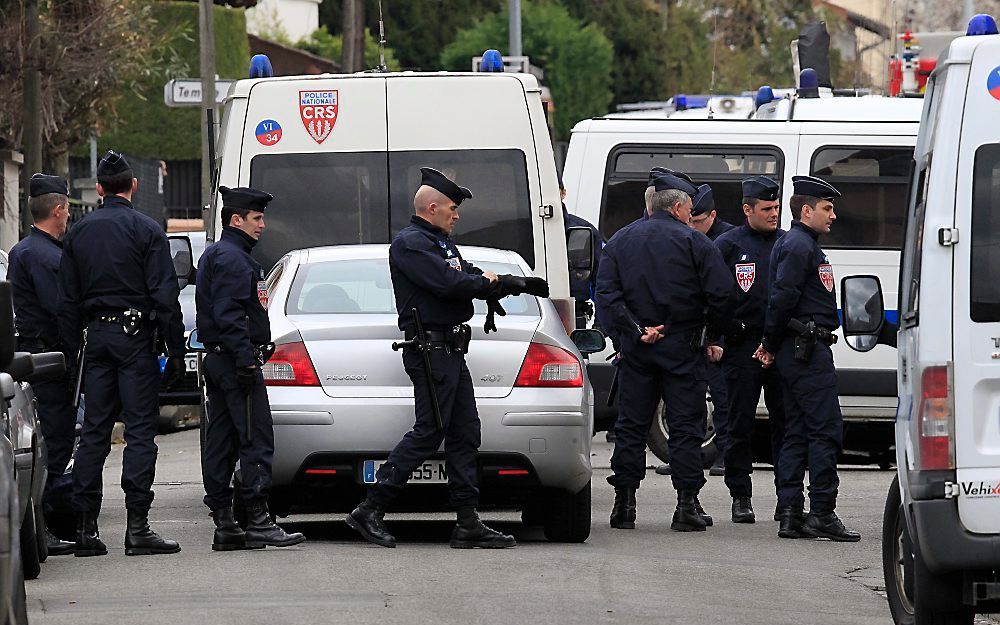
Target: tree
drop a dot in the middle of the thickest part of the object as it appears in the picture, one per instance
(328, 46)
(576, 57)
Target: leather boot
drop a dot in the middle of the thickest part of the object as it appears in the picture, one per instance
(706, 517)
(140, 540)
(790, 519)
(623, 512)
(743, 510)
(828, 525)
(777, 512)
(261, 530)
(686, 517)
(229, 536)
(367, 520)
(58, 546)
(471, 533)
(88, 539)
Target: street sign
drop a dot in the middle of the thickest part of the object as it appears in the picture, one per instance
(187, 91)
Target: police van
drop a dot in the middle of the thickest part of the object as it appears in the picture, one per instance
(863, 145)
(941, 529)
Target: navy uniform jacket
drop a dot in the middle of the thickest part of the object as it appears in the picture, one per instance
(114, 259)
(230, 295)
(34, 275)
(718, 228)
(583, 290)
(660, 271)
(747, 254)
(801, 286)
(430, 275)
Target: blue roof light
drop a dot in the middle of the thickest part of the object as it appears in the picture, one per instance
(982, 24)
(808, 79)
(492, 61)
(680, 102)
(260, 66)
(765, 95)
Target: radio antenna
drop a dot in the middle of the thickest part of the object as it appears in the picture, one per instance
(381, 40)
(715, 47)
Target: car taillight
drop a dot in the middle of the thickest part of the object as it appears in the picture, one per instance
(937, 421)
(547, 365)
(290, 366)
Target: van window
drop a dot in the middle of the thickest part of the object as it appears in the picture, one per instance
(984, 270)
(723, 167)
(874, 182)
(909, 268)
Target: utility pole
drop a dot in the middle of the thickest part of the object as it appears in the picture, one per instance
(31, 132)
(514, 11)
(969, 11)
(352, 57)
(206, 41)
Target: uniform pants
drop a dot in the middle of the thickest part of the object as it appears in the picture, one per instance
(461, 434)
(718, 388)
(814, 428)
(122, 379)
(226, 436)
(58, 420)
(671, 371)
(746, 379)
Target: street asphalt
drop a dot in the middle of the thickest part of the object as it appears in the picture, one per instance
(730, 574)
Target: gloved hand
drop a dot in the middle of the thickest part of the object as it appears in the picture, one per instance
(536, 286)
(515, 285)
(173, 374)
(493, 308)
(246, 377)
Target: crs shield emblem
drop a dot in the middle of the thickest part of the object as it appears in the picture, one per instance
(262, 293)
(826, 276)
(318, 110)
(745, 274)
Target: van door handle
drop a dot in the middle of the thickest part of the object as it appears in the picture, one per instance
(546, 211)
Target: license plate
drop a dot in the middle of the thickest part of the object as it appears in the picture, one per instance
(191, 363)
(430, 472)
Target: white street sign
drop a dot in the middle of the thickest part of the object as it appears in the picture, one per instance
(187, 91)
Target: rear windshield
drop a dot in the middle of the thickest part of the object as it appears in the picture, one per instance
(327, 198)
(984, 268)
(363, 286)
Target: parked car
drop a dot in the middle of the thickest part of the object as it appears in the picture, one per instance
(12, 600)
(341, 400)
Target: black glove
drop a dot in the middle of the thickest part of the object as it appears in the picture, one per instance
(173, 374)
(536, 286)
(493, 308)
(510, 285)
(246, 377)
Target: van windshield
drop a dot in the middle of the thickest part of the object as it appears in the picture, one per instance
(330, 198)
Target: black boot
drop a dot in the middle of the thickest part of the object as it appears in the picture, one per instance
(229, 536)
(686, 517)
(140, 540)
(718, 468)
(777, 512)
(261, 530)
(367, 520)
(470, 533)
(663, 469)
(743, 511)
(88, 540)
(623, 512)
(57, 546)
(706, 517)
(790, 519)
(828, 525)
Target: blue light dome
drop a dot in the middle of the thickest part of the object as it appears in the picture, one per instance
(260, 66)
(982, 24)
(492, 61)
(765, 95)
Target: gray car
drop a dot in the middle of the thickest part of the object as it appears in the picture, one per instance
(341, 399)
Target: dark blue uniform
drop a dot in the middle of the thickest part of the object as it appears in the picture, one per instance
(717, 387)
(429, 274)
(116, 259)
(232, 322)
(34, 274)
(801, 286)
(661, 272)
(583, 290)
(747, 254)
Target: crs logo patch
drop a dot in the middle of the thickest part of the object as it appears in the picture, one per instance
(745, 274)
(826, 276)
(262, 293)
(318, 110)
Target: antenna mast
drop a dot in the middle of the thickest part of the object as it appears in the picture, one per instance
(381, 40)
(715, 47)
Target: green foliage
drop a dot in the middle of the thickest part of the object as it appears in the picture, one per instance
(328, 46)
(146, 126)
(576, 57)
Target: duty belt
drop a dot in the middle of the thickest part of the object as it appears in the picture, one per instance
(454, 339)
(810, 331)
(261, 353)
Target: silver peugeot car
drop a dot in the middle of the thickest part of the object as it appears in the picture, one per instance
(341, 400)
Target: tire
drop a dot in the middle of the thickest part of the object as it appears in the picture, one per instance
(29, 544)
(43, 544)
(659, 435)
(566, 516)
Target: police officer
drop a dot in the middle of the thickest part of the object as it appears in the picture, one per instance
(798, 332)
(746, 251)
(703, 216)
(119, 283)
(658, 278)
(34, 274)
(430, 276)
(232, 323)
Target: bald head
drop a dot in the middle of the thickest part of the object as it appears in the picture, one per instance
(425, 196)
(435, 207)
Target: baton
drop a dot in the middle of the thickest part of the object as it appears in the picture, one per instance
(81, 360)
(423, 345)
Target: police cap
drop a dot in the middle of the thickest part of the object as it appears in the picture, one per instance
(112, 163)
(760, 187)
(436, 180)
(704, 202)
(665, 182)
(42, 184)
(810, 185)
(245, 198)
(659, 171)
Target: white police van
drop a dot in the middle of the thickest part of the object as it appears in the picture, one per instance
(862, 145)
(941, 532)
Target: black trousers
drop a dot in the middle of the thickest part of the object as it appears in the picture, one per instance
(718, 388)
(669, 370)
(122, 378)
(226, 440)
(814, 428)
(746, 379)
(461, 434)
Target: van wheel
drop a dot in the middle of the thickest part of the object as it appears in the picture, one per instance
(29, 544)
(916, 595)
(659, 434)
(566, 516)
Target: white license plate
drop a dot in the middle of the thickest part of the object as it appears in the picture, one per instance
(191, 363)
(430, 472)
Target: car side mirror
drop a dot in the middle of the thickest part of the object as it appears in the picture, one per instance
(47, 366)
(863, 312)
(8, 387)
(183, 257)
(194, 343)
(7, 338)
(580, 250)
(588, 341)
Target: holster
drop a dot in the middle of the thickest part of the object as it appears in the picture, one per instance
(804, 348)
